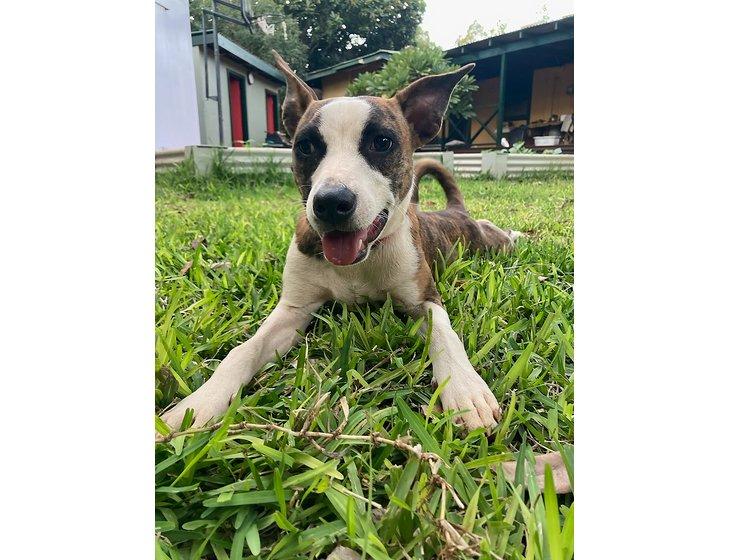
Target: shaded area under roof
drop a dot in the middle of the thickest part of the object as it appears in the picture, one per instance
(239, 53)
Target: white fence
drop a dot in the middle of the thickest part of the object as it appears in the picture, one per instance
(467, 164)
(495, 164)
(249, 158)
(445, 158)
(501, 165)
(164, 159)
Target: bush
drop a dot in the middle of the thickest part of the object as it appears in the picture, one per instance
(423, 59)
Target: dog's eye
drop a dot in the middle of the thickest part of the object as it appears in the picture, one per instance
(382, 143)
(305, 147)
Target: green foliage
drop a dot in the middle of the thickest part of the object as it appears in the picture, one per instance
(312, 34)
(285, 39)
(425, 58)
(337, 30)
(476, 32)
(544, 15)
(249, 493)
(518, 148)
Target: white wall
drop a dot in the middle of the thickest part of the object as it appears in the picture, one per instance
(176, 109)
(208, 108)
(256, 106)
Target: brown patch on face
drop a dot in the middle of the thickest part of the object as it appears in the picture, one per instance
(386, 117)
(303, 167)
(308, 242)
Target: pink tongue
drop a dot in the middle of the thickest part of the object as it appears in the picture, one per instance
(342, 247)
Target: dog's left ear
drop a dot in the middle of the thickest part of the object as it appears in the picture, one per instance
(424, 103)
(298, 96)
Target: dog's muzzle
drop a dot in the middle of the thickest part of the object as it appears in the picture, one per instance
(334, 204)
(343, 248)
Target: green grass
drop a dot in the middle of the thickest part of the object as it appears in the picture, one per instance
(260, 493)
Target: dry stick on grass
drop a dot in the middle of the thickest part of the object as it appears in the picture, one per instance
(375, 437)
(452, 535)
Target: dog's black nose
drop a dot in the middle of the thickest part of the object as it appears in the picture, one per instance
(334, 204)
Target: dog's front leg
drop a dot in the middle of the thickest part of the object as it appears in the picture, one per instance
(465, 388)
(276, 335)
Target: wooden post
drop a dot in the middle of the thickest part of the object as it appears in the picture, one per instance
(500, 105)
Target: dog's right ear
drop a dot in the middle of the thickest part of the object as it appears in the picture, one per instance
(298, 96)
(425, 101)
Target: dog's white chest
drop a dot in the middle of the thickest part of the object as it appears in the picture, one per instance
(356, 291)
(390, 270)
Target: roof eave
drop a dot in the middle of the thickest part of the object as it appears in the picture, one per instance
(359, 61)
(241, 54)
(528, 37)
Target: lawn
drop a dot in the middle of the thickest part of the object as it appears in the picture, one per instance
(263, 489)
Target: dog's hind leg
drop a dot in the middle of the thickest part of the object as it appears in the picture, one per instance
(276, 335)
(497, 238)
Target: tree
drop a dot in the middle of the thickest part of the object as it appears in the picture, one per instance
(476, 32)
(285, 37)
(312, 34)
(422, 59)
(544, 15)
(337, 30)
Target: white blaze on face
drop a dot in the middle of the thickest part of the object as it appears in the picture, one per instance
(341, 123)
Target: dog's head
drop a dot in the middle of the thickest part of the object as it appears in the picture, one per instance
(352, 157)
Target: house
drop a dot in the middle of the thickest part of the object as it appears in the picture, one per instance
(525, 88)
(249, 94)
(186, 104)
(525, 81)
(333, 80)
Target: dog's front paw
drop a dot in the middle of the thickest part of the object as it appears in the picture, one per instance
(208, 402)
(466, 390)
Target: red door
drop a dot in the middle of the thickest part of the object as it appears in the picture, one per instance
(238, 133)
(270, 113)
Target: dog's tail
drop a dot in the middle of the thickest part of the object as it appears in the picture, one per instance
(454, 198)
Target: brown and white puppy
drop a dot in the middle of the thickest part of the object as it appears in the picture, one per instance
(362, 237)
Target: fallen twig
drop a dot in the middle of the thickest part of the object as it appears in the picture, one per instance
(375, 437)
(453, 536)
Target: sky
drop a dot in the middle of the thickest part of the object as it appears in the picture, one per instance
(445, 20)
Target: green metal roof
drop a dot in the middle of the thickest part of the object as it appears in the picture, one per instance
(382, 54)
(240, 53)
(538, 35)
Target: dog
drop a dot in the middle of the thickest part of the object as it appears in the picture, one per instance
(362, 237)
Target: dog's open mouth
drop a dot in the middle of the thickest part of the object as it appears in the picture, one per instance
(348, 247)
